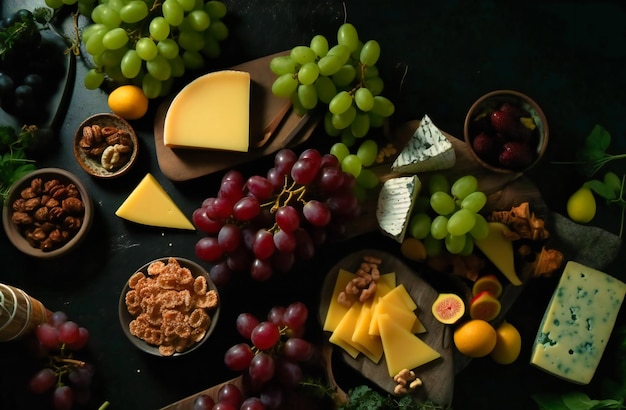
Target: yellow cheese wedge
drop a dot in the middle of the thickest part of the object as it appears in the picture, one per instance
(372, 344)
(403, 349)
(149, 204)
(499, 250)
(385, 284)
(399, 313)
(336, 310)
(211, 112)
(399, 296)
(342, 335)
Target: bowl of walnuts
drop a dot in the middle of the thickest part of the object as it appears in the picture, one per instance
(169, 307)
(105, 146)
(506, 131)
(47, 213)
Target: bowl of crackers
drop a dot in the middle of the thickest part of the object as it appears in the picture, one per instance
(169, 307)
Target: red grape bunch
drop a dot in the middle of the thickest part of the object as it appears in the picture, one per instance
(262, 224)
(68, 378)
(271, 359)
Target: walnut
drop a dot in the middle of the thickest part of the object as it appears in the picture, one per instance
(18, 205)
(49, 185)
(523, 222)
(28, 193)
(56, 212)
(36, 185)
(547, 262)
(73, 205)
(31, 204)
(72, 223)
(41, 214)
(21, 218)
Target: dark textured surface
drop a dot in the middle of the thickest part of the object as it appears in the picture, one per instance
(437, 58)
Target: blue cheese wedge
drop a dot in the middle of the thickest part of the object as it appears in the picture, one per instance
(395, 203)
(427, 150)
(578, 323)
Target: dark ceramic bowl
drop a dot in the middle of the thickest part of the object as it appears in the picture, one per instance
(90, 151)
(17, 233)
(478, 120)
(126, 317)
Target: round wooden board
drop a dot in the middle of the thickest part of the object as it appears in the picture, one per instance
(437, 376)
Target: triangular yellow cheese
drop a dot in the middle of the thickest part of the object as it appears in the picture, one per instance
(372, 344)
(342, 334)
(335, 309)
(499, 250)
(399, 313)
(399, 295)
(403, 350)
(149, 204)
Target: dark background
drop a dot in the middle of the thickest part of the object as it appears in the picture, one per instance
(437, 58)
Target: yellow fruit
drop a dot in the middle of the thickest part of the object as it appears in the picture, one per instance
(581, 206)
(129, 102)
(413, 249)
(475, 338)
(508, 344)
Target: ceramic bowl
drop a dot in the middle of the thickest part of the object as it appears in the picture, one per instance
(17, 233)
(105, 146)
(128, 302)
(534, 138)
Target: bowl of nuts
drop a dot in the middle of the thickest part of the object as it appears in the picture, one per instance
(169, 307)
(506, 131)
(105, 145)
(47, 213)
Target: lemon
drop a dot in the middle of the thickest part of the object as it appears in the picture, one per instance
(475, 338)
(128, 101)
(508, 344)
(581, 206)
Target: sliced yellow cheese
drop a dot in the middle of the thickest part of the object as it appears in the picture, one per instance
(372, 344)
(403, 349)
(211, 112)
(336, 310)
(385, 284)
(399, 295)
(342, 335)
(149, 204)
(399, 313)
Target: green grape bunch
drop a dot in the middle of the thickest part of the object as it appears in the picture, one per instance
(343, 77)
(149, 43)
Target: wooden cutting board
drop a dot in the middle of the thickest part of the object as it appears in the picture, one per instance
(185, 164)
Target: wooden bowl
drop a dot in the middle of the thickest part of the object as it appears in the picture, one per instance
(96, 140)
(16, 234)
(477, 120)
(126, 317)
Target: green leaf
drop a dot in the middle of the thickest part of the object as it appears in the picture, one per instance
(599, 139)
(578, 401)
(549, 402)
(602, 189)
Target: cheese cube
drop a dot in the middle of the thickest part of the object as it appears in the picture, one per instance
(578, 323)
(211, 112)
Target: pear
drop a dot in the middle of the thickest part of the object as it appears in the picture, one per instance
(581, 206)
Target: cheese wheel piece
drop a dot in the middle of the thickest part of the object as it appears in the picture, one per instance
(149, 204)
(211, 112)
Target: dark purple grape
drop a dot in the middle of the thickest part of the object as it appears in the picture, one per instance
(68, 332)
(208, 249)
(304, 171)
(276, 178)
(260, 187)
(305, 248)
(48, 336)
(261, 270)
(42, 381)
(329, 161)
(316, 213)
(229, 237)
(272, 397)
(58, 318)
(263, 246)
(220, 273)
(224, 406)
(203, 402)
(287, 218)
(202, 221)
(344, 203)
(296, 315)
(297, 349)
(230, 393)
(262, 367)
(284, 241)
(288, 373)
(238, 357)
(81, 340)
(245, 323)
(81, 377)
(330, 180)
(252, 403)
(240, 259)
(265, 335)
(63, 398)
(247, 208)
(284, 160)
(275, 315)
(219, 208)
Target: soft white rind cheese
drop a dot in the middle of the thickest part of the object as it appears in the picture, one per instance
(578, 323)
(395, 203)
(427, 150)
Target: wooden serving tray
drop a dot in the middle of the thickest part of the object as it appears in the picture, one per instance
(185, 164)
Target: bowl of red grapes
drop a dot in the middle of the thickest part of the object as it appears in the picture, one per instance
(506, 131)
